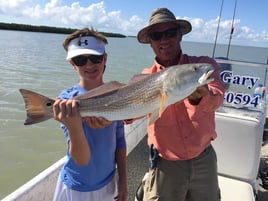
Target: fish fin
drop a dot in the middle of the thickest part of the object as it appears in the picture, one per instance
(153, 116)
(108, 87)
(157, 113)
(37, 107)
(162, 103)
(138, 77)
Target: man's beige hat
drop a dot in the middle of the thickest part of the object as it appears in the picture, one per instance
(162, 15)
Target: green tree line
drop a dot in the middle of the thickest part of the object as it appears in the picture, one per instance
(47, 29)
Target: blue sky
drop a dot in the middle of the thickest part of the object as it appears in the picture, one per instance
(129, 16)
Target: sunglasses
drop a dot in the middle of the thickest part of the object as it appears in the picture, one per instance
(169, 33)
(81, 60)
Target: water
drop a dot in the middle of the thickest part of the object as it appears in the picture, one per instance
(36, 61)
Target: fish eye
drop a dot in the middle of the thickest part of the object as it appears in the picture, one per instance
(194, 68)
(49, 104)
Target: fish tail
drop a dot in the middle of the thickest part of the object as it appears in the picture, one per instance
(38, 107)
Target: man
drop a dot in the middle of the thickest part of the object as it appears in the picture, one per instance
(186, 166)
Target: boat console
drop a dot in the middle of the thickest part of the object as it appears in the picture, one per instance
(238, 148)
(240, 125)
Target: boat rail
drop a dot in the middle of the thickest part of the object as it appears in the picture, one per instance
(238, 62)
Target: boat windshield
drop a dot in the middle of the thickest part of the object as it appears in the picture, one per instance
(246, 84)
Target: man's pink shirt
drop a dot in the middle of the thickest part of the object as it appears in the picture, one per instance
(183, 131)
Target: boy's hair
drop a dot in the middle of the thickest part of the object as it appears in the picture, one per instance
(83, 32)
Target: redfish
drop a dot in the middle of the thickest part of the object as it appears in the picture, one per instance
(145, 94)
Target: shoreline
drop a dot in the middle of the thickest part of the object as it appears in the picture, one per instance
(48, 29)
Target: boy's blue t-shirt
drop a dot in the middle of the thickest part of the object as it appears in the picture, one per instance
(103, 144)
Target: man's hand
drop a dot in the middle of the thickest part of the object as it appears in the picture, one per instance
(197, 95)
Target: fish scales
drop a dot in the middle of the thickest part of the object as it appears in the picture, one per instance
(126, 102)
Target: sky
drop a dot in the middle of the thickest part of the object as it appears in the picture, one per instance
(129, 16)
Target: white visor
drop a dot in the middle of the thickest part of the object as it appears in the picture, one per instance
(85, 45)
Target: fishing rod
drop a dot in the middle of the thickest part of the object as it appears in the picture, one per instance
(219, 20)
(232, 30)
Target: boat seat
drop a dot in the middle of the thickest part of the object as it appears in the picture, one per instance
(235, 190)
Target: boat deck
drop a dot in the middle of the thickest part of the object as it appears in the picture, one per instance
(138, 164)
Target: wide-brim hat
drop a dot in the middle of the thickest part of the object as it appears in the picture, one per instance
(163, 15)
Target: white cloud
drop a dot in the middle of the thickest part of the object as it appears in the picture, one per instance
(206, 32)
(11, 3)
(76, 16)
(55, 13)
(11, 6)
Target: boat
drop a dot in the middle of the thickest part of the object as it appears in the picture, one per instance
(241, 145)
(42, 186)
(240, 125)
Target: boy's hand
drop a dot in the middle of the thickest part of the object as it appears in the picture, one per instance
(96, 122)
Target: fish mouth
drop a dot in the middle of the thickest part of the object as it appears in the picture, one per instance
(205, 78)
